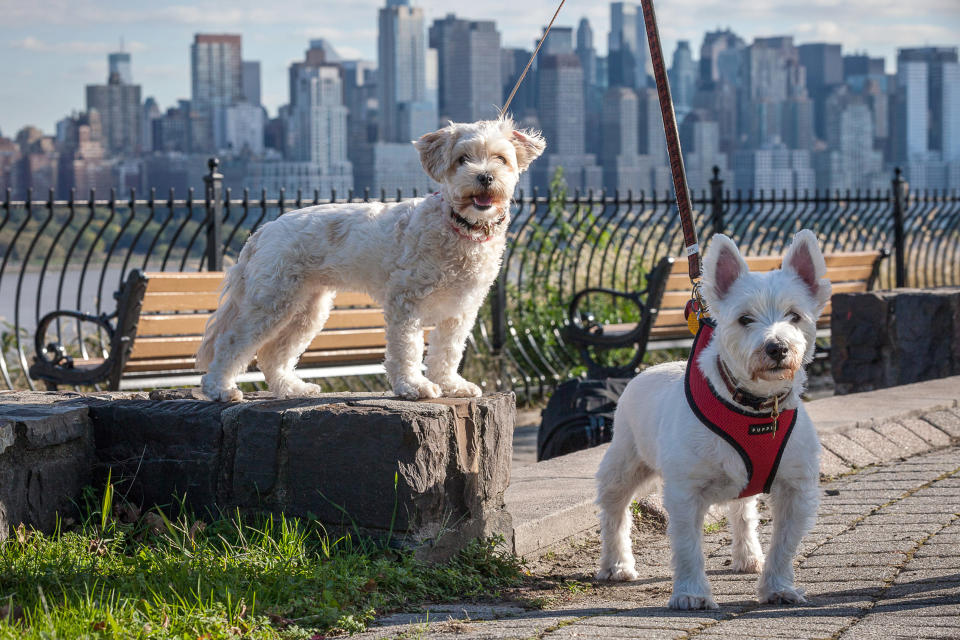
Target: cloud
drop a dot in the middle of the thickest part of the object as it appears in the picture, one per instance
(30, 43)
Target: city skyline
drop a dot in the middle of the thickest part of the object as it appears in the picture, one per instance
(54, 49)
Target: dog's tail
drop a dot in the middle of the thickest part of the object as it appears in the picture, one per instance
(231, 292)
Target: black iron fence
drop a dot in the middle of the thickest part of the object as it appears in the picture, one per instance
(73, 254)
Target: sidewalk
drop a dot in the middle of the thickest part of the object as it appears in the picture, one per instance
(883, 560)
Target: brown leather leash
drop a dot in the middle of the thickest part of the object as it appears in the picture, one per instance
(676, 158)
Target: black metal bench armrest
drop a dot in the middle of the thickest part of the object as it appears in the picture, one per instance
(59, 366)
(54, 366)
(591, 332)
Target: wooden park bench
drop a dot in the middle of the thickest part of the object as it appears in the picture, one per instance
(662, 323)
(158, 325)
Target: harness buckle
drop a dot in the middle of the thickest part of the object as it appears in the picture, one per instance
(775, 415)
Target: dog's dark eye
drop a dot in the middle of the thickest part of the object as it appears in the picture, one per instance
(745, 320)
(462, 160)
(501, 159)
(794, 317)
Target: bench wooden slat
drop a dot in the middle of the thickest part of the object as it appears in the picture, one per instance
(154, 302)
(172, 282)
(185, 324)
(331, 357)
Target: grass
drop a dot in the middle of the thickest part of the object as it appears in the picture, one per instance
(120, 574)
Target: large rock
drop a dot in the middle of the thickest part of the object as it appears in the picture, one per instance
(433, 473)
(46, 458)
(886, 338)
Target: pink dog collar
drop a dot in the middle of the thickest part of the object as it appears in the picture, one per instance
(759, 438)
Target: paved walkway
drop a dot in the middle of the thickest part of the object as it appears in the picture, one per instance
(883, 561)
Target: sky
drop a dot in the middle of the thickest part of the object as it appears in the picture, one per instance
(51, 49)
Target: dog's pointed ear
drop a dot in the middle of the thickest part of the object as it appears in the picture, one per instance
(722, 266)
(529, 145)
(434, 149)
(804, 259)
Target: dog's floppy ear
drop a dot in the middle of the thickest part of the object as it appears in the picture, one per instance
(434, 152)
(529, 145)
(722, 266)
(804, 259)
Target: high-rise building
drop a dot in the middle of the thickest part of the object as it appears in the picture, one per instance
(824, 72)
(119, 63)
(850, 160)
(700, 141)
(250, 89)
(911, 112)
(563, 118)
(653, 142)
(512, 63)
(468, 54)
(83, 161)
(360, 99)
(628, 54)
(683, 78)
(244, 125)
(773, 167)
(216, 71)
(950, 129)
(938, 61)
(406, 109)
(774, 105)
(620, 140)
(559, 41)
(587, 53)
(721, 56)
(149, 113)
(118, 103)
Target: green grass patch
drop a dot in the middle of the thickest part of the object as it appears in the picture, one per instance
(120, 574)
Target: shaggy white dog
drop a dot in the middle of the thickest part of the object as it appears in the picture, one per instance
(765, 332)
(426, 261)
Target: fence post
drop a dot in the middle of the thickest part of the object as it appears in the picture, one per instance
(716, 199)
(898, 239)
(498, 311)
(214, 203)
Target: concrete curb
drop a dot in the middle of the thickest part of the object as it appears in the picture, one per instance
(552, 501)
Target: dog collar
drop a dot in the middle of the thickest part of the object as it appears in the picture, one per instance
(462, 227)
(744, 397)
(758, 437)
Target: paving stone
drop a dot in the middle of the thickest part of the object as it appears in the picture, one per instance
(909, 442)
(855, 560)
(947, 421)
(927, 431)
(848, 450)
(875, 443)
(832, 465)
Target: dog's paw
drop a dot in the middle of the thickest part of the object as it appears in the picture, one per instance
(299, 389)
(457, 387)
(688, 601)
(747, 564)
(620, 572)
(786, 595)
(416, 389)
(225, 395)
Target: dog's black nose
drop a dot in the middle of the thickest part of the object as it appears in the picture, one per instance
(776, 350)
(485, 179)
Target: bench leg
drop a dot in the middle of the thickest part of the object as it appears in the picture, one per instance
(277, 358)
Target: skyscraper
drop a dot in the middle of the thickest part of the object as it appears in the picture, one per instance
(824, 71)
(468, 54)
(587, 53)
(683, 78)
(721, 56)
(619, 129)
(118, 105)
(563, 118)
(406, 110)
(119, 63)
(938, 61)
(628, 56)
(216, 71)
(250, 90)
(850, 160)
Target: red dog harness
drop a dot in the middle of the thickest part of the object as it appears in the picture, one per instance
(759, 438)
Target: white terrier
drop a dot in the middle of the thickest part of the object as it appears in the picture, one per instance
(426, 261)
(753, 366)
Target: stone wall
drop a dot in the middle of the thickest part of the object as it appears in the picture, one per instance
(886, 338)
(432, 472)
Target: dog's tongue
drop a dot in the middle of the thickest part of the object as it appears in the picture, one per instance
(482, 201)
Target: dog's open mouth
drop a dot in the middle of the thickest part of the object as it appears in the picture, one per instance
(482, 202)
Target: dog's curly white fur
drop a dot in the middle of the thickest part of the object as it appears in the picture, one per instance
(427, 261)
(656, 433)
